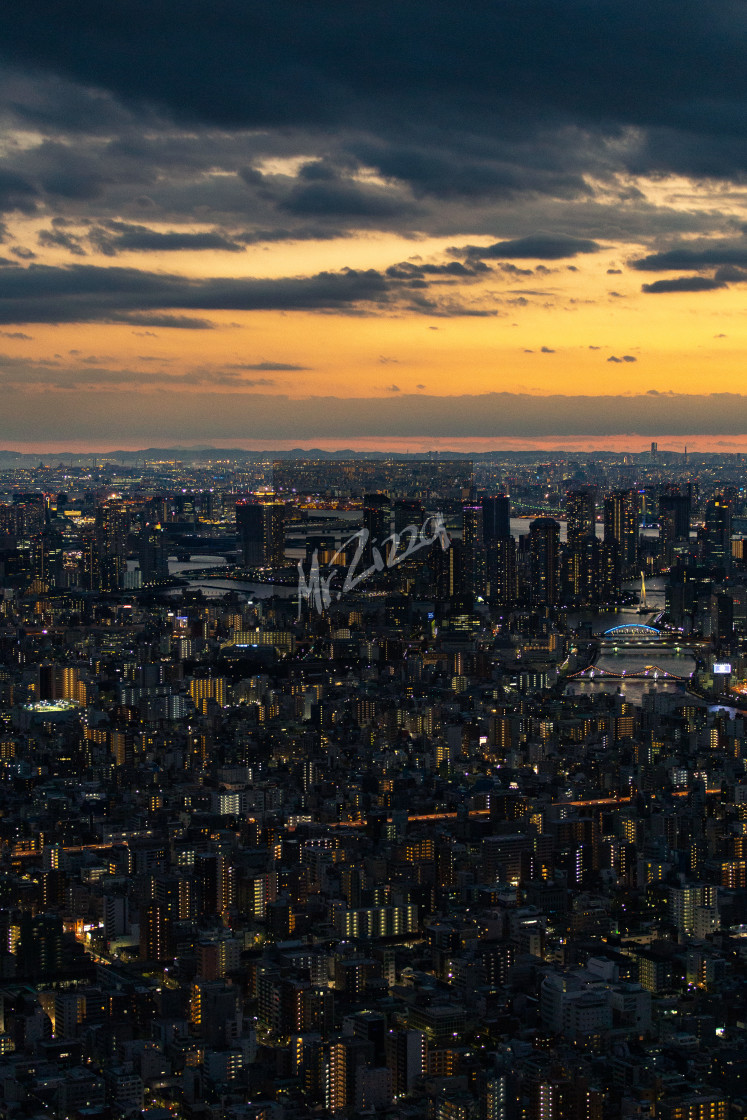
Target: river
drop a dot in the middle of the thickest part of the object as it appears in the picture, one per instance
(681, 663)
(214, 588)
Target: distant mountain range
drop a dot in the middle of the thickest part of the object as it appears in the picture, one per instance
(202, 454)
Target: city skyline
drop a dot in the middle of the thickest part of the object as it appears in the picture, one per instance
(507, 227)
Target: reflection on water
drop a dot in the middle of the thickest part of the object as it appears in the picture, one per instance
(195, 563)
(681, 663)
(633, 691)
(520, 526)
(623, 616)
(213, 588)
(633, 661)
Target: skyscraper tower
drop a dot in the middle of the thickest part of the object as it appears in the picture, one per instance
(501, 577)
(717, 535)
(153, 554)
(377, 517)
(500, 551)
(621, 526)
(112, 527)
(251, 529)
(677, 502)
(544, 547)
(407, 511)
(580, 507)
(261, 529)
(473, 548)
(496, 518)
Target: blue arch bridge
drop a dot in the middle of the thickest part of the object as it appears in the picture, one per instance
(632, 630)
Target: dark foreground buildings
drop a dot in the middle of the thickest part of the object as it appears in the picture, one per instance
(460, 835)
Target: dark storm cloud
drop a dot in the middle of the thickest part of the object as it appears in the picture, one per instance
(548, 247)
(412, 272)
(455, 101)
(62, 171)
(16, 192)
(491, 171)
(61, 239)
(237, 125)
(120, 237)
(177, 322)
(341, 199)
(94, 377)
(83, 293)
(683, 284)
(685, 257)
(669, 65)
(274, 367)
(302, 233)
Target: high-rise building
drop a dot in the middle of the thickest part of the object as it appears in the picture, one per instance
(502, 587)
(343, 1061)
(153, 554)
(156, 942)
(33, 509)
(450, 577)
(261, 529)
(208, 688)
(717, 533)
(621, 526)
(544, 548)
(46, 556)
(706, 1104)
(496, 518)
(111, 528)
(678, 503)
(377, 515)
(407, 511)
(473, 549)
(405, 1057)
(589, 572)
(580, 508)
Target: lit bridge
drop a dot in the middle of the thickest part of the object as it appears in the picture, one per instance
(630, 637)
(632, 632)
(649, 673)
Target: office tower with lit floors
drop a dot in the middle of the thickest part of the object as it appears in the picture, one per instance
(112, 527)
(716, 536)
(473, 548)
(621, 528)
(580, 511)
(261, 529)
(104, 548)
(377, 518)
(153, 554)
(156, 932)
(501, 585)
(496, 517)
(544, 548)
(678, 502)
(408, 511)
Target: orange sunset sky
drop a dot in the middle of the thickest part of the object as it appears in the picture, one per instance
(383, 227)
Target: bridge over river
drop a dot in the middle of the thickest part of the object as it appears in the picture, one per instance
(644, 642)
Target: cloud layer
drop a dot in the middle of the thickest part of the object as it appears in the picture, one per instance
(105, 414)
(183, 168)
